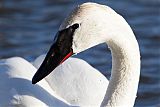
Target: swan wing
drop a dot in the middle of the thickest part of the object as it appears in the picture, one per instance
(16, 88)
(77, 82)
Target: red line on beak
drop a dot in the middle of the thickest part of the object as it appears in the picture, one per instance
(66, 57)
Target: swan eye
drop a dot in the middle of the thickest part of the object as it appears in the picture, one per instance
(75, 26)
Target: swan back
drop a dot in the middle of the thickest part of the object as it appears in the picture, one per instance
(77, 82)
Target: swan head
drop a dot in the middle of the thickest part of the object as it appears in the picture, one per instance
(93, 21)
(83, 28)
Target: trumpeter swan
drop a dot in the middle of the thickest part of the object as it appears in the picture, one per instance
(88, 25)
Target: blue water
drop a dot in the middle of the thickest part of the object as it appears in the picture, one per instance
(27, 28)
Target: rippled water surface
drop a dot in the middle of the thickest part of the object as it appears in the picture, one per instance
(27, 28)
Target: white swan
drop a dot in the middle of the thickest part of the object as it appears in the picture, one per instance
(88, 25)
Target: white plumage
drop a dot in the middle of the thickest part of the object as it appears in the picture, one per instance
(66, 85)
(75, 81)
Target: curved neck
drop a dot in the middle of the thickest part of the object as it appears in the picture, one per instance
(124, 79)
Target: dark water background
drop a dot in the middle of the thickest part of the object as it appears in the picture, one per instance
(27, 28)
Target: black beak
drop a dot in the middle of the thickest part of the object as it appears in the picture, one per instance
(58, 53)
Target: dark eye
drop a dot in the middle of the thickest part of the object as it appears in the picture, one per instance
(75, 26)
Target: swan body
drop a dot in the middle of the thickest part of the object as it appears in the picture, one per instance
(88, 25)
(71, 83)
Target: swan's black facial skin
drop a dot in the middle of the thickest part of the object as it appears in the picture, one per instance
(58, 53)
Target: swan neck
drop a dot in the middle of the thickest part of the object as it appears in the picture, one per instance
(125, 73)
